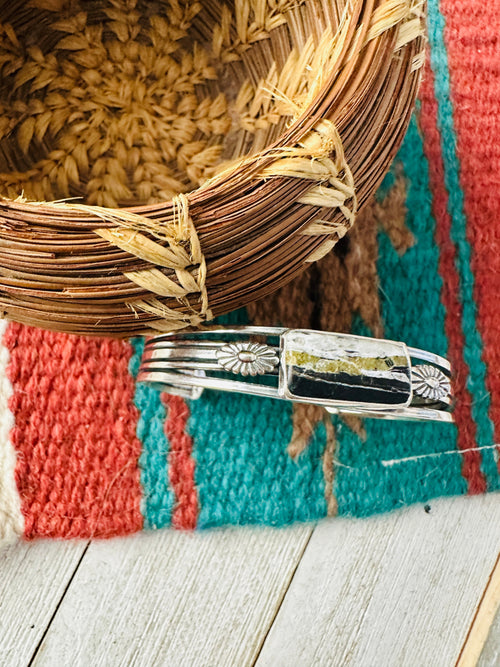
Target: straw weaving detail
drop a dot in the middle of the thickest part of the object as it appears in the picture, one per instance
(206, 153)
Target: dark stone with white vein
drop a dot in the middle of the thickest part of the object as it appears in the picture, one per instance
(331, 368)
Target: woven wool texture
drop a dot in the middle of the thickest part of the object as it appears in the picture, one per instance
(85, 451)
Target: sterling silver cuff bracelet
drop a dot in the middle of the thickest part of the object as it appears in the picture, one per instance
(343, 373)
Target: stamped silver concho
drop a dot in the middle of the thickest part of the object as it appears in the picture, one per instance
(247, 358)
(343, 373)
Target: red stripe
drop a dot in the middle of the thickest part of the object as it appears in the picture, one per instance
(472, 37)
(75, 421)
(466, 427)
(181, 463)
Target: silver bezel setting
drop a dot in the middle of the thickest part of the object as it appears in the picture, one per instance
(361, 344)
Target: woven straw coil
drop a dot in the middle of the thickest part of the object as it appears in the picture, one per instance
(163, 162)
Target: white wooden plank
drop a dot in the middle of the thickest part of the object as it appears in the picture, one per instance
(174, 599)
(395, 590)
(483, 620)
(33, 578)
(490, 656)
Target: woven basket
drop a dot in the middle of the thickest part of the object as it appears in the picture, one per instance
(196, 155)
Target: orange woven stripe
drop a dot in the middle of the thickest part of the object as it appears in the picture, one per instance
(181, 464)
(466, 427)
(74, 432)
(474, 56)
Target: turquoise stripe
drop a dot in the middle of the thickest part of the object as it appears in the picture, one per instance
(243, 473)
(158, 496)
(368, 476)
(473, 349)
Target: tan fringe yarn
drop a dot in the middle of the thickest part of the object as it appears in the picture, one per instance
(163, 162)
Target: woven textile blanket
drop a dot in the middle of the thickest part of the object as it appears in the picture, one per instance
(85, 452)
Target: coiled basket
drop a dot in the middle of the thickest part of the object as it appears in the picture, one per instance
(166, 161)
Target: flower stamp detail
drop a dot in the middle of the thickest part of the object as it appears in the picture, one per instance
(247, 358)
(431, 383)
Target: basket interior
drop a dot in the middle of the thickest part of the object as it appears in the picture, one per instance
(123, 102)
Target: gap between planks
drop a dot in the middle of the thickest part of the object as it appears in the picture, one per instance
(482, 622)
(280, 602)
(33, 580)
(175, 598)
(58, 604)
(403, 591)
(236, 596)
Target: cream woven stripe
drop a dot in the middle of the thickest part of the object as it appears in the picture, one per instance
(11, 518)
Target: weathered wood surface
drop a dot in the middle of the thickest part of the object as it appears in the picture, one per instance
(488, 614)
(490, 655)
(174, 599)
(33, 580)
(397, 590)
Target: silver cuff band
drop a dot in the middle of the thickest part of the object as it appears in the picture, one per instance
(343, 373)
